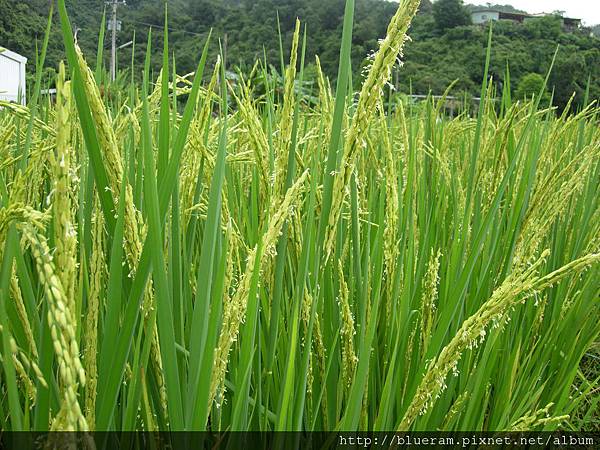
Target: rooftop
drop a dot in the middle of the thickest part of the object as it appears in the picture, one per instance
(12, 55)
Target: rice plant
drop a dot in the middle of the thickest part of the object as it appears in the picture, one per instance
(257, 262)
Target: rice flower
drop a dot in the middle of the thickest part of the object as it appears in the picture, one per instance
(65, 236)
(516, 288)
(64, 336)
(235, 309)
(347, 332)
(98, 270)
(390, 49)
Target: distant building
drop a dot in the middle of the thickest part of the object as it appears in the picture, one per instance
(482, 16)
(12, 76)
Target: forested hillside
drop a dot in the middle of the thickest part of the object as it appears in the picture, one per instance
(438, 54)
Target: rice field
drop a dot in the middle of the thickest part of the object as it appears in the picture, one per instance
(258, 262)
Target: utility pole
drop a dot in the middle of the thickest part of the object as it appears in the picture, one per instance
(114, 24)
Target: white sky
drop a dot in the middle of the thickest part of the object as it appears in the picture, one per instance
(588, 10)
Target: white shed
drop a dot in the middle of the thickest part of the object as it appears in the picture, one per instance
(12, 76)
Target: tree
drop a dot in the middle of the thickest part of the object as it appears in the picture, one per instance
(450, 13)
(425, 7)
(439, 52)
(531, 85)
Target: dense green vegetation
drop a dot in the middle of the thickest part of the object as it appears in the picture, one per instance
(258, 262)
(440, 52)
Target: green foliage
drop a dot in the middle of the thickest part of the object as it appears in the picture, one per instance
(245, 28)
(283, 265)
(22, 26)
(548, 27)
(449, 14)
(531, 85)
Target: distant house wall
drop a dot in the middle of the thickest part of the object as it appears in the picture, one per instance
(479, 17)
(12, 76)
